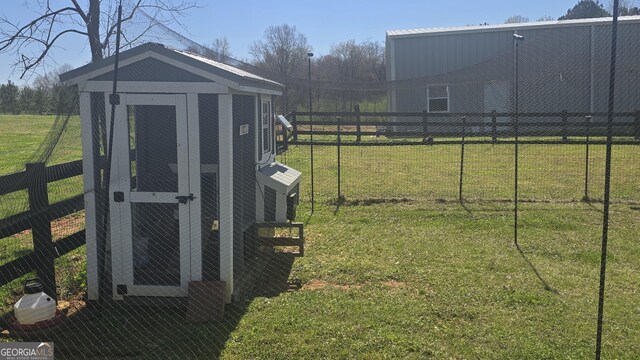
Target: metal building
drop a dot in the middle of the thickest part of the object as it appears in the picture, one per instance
(563, 65)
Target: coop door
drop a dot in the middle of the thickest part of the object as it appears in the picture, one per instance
(150, 216)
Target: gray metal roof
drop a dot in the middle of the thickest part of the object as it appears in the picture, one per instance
(242, 77)
(514, 26)
(279, 176)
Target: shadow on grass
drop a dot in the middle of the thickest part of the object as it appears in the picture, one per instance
(125, 331)
(545, 284)
(590, 202)
(465, 207)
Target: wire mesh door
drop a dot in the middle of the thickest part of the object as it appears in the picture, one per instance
(150, 216)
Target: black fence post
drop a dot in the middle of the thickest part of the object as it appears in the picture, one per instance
(494, 126)
(607, 180)
(356, 108)
(339, 161)
(564, 126)
(586, 158)
(43, 246)
(636, 125)
(464, 131)
(313, 193)
(294, 122)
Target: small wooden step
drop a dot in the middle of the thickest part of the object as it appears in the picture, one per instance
(297, 241)
(280, 241)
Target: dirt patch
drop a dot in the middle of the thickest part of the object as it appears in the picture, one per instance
(67, 225)
(395, 284)
(373, 201)
(316, 284)
(71, 307)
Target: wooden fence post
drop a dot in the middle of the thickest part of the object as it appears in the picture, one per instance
(587, 120)
(294, 122)
(356, 108)
(564, 126)
(339, 162)
(636, 125)
(464, 133)
(425, 125)
(494, 126)
(43, 246)
(285, 137)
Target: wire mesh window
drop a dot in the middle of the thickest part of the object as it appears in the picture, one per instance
(266, 138)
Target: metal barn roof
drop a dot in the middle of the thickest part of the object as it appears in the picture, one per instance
(501, 27)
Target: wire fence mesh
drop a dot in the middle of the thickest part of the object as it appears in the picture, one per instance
(192, 210)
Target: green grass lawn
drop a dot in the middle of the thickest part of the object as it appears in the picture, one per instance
(402, 270)
(417, 279)
(425, 279)
(20, 139)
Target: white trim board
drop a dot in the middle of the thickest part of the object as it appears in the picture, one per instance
(225, 183)
(156, 87)
(179, 64)
(89, 197)
(195, 169)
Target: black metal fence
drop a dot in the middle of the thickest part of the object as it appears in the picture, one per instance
(584, 130)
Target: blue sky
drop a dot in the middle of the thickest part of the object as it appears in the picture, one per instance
(325, 22)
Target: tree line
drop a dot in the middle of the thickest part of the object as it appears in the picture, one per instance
(285, 55)
(586, 9)
(282, 54)
(46, 95)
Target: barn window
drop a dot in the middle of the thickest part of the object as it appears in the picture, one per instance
(438, 98)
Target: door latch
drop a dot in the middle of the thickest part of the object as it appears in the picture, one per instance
(183, 199)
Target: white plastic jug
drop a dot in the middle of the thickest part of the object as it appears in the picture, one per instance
(35, 305)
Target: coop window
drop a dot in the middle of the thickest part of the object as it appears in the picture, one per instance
(438, 98)
(266, 126)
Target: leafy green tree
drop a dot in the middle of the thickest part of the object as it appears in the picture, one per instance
(626, 7)
(629, 11)
(586, 9)
(9, 98)
(27, 100)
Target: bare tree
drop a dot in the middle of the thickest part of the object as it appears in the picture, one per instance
(95, 20)
(546, 18)
(218, 50)
(374, 60)
(516, 19)
(283, 51)
(350, 59)
(221, 47)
